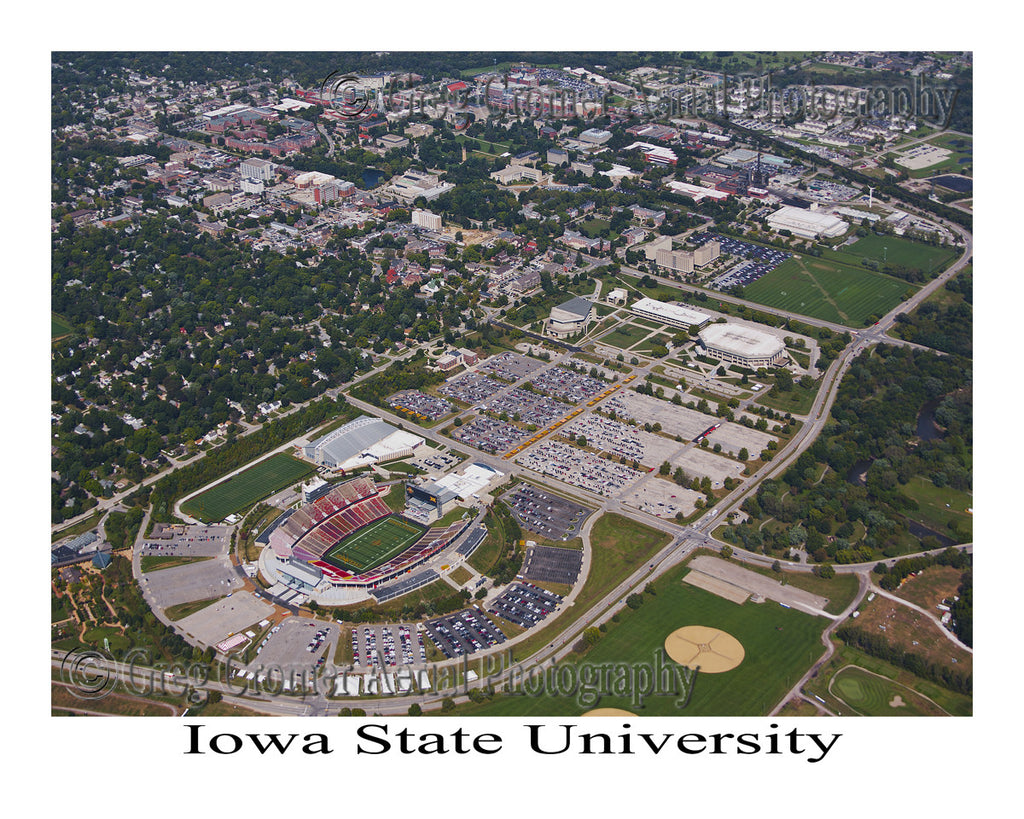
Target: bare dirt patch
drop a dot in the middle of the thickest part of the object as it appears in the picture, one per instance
(913, 632)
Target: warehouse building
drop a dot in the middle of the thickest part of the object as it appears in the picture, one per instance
(569, 317)
(738, 344)
(361, 442)
(674, 315)
(807, 224)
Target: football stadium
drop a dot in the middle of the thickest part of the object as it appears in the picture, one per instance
(349, 537)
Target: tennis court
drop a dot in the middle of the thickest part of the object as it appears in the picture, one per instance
(374, 544)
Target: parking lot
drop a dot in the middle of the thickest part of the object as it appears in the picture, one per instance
(387, 646)
(463, 633)
(428, 406)
(579, 468)
(528, 407)
(675, 420)
(544, 513)
(190, 541)
(550, 564)
(622, 440)
(568, 386)
(472, 388)
(757, 260)
(490, 434)
(297, 644)
(510, 367)
(524, 604)
(430, 458)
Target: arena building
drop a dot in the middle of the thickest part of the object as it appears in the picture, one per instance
(738, 344)
(570, 317)
(672, 314)
(361, 442)
(807, 224)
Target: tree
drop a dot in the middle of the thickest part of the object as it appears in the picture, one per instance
(415, 710)
(727, 552)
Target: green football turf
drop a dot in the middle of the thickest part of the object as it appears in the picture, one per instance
(246, 488)
(780, 645)
(374, 544)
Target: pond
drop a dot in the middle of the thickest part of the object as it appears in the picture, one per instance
(927, 429)
(371, 178)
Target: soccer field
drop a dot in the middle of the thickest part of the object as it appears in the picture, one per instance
(828, 290)
(244, 489)
(374, 544)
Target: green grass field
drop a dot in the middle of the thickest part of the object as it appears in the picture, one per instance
(932, 510)
(625, 336)
(374, 544)
(246, 488)
(875, 696)
(779, 644)
(59, 326)
(828, 290)
(896, 251)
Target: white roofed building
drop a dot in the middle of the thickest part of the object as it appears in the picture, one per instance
(673, 314)
(739, 344)
(807, 224)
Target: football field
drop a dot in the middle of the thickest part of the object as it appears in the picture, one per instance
(374, 544)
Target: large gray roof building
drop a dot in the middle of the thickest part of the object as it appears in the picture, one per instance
(570, 317)
(362, 441)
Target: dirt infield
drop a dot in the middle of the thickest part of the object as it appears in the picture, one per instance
(708, 649)
(756, 584)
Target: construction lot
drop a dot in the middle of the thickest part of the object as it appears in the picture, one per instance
(736, 583)
(697, 462)
(225, 617)
(195, 581)
(662, 498)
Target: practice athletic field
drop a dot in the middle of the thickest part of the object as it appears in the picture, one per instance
(896, 251)
(246, 488)
(828, 290)
(374, 544)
